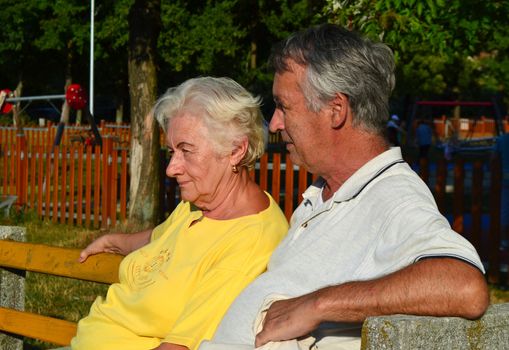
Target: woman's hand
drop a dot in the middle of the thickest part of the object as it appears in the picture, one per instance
(116, 243)
(103, 244)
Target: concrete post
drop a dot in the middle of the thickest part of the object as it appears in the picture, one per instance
(12, 287)
(399, 332)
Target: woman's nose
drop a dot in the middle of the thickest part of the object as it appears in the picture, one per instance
(174, 167)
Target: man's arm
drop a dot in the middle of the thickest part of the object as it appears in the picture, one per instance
(433, 287)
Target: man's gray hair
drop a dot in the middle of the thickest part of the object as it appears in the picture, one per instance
(340, 61)
(228, 111)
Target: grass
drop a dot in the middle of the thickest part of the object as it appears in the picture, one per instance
(70, 299)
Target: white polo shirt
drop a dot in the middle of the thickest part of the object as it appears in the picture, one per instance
(380, 220)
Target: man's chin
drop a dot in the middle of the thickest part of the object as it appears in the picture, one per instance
(294, 157)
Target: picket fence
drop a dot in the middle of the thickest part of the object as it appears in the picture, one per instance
(88, 186)
(74, 134)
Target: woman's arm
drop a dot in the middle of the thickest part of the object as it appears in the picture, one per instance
(117, 243)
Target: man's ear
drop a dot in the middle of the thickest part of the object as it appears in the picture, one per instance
(239, 150)
(340, 107)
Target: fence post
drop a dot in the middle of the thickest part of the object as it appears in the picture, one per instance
(40, 179)
(424, 169)
(105, 193)
(56, 160)
(97, 184)
(458, 195)
(63, 181)
(494, 241)
(264, 160)
(123, 185)
(441, 180)
(19, 180)
(477, 204)
(47, 181)
(88, 186)
(72, 183)
(33, 158)
(276, 176)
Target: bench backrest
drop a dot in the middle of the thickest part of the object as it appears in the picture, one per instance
(55, 261)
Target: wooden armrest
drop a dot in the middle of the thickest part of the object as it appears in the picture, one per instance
(59, 261)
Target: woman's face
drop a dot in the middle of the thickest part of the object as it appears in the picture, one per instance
(200, 172)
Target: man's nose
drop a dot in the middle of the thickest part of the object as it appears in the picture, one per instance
(276, 122)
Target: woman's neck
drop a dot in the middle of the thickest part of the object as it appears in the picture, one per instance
(240, 196)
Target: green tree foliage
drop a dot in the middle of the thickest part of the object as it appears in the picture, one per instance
(454, 47)
(228, 37)
(19, 28)
(223, 37)
(64, 25)
(199, 34)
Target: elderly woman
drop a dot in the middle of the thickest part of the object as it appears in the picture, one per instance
(178, 279)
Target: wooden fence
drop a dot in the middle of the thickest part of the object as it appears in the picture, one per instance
(76, 184)
(74, 134)
(467, 128)
(85, 185)
(471, 190)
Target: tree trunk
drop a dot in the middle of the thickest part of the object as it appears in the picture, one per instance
(64, 116)
(144, 26)
(16, 108)
(66, 111)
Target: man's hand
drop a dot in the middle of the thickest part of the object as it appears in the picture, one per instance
(289, 319)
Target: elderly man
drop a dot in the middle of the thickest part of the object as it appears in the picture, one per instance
(368, 238)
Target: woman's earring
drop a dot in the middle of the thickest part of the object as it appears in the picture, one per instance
(234, 169)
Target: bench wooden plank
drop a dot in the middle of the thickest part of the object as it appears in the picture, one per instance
(59, 261)
(40, 327)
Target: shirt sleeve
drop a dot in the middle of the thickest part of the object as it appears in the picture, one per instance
(416, 231)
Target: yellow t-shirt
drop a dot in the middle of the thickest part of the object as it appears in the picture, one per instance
(177, 288)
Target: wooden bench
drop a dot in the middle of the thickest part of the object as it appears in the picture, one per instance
(57, 261)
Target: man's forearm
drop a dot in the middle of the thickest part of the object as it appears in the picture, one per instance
(435, 287)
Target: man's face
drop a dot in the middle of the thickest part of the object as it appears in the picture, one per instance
(300, 128)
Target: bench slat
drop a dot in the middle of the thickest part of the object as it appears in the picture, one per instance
(41, 327)
(59, 261)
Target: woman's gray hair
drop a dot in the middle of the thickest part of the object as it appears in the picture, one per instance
(338, 60)
(228, 111)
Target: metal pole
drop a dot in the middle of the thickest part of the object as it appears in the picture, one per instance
(91, 88)
(34, 98)
(97, 135)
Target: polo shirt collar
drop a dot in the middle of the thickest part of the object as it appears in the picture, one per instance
(361, 178)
